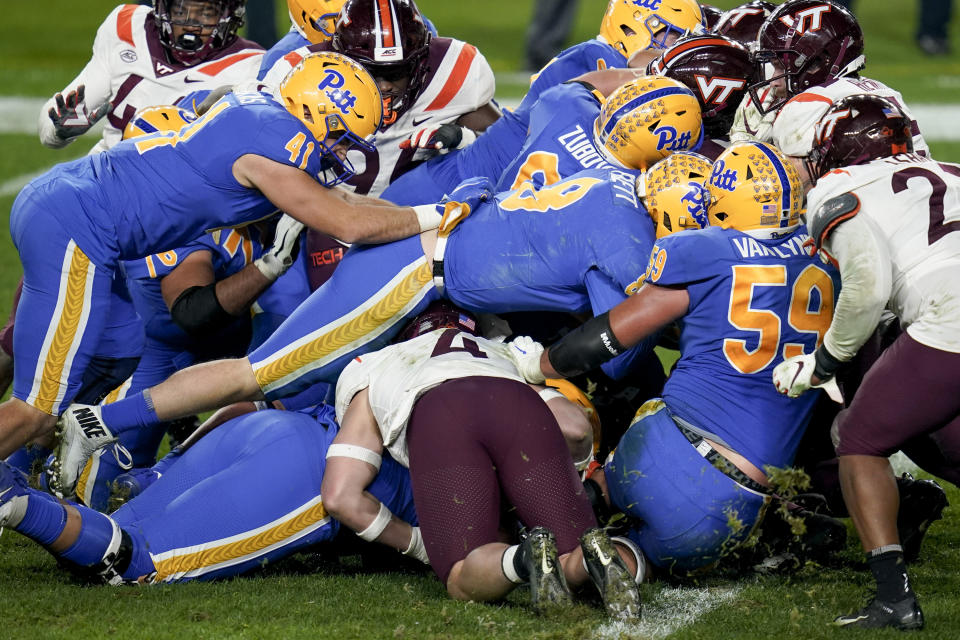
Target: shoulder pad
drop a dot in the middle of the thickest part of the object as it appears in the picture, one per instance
(832, 212)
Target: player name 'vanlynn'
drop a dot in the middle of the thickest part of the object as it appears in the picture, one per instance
(750, 248)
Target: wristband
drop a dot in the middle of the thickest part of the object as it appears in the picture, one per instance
(585, 348)
(428, 217)
(270, 266)
(826, 364)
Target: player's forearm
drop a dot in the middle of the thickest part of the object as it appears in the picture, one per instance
(237, 292)
(373, 224)
(867, 281)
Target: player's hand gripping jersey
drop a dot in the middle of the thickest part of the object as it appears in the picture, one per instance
(399, 374)
(459, 81)
(131, 70)
(909, 209)
(753, 302)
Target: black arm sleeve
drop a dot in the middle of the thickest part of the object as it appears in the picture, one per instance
(585, 348)
(198, 312)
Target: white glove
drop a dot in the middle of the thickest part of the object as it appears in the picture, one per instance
(749, 124)
(792, 377)
(525, 353)
(70, 116)
(443, 138)
(280, 256)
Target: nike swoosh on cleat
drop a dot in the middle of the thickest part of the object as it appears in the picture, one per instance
(844, 623)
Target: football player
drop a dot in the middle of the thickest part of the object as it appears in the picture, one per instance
(742, 23)
(144, 57)
(245, 494)
(152, 193)
(405, 397)
(437, 92)
(547, 249)
(888, 217)
(627, 28)
(691, 466)
(809, 54)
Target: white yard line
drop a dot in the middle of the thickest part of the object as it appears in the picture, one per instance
(671, 610)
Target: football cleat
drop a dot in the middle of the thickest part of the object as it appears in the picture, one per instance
(14, 490)
(921, 504)
(904, 615)
(80, 432)
(548, 585)
(610, 574)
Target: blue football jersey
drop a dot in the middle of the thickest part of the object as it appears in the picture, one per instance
(152, 193)
(560, 138)
(560, 248)
(583, 57)
(752, 303)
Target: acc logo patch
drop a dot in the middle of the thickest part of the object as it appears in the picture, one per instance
(128, 55)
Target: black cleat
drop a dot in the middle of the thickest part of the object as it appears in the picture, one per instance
(548, 585)
(609, 573)
(921, 504)
(904, 615)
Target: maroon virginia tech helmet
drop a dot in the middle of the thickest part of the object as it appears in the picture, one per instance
(711, 15)
(190, 48)
(743, 23)
(440, 314)
(718, 70)
(812, 41)
(389, 38)
(856, 130)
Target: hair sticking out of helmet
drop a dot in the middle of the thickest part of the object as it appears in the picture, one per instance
(440, 314)
(647, 119)
(193, 30)
(801, 44)
(753, 187)
(391, 40)
(339, 103)
(718, 70)
(315, 20)
(856, 130)
(163, 118)
(743, 23)
(630, 26)
(675, 194)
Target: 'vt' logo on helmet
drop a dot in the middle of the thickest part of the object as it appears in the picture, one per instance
(668, 139)
(806, 20)
(653, 5)
(825, 127)
(342, 99)
(721, 86)
(723, 178)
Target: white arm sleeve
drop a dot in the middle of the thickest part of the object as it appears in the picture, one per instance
(95, 77)
(866, 277)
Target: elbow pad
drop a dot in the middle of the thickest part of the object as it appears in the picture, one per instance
(585, 348)
(198, 312)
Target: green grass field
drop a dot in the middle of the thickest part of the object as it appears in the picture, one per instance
(43, 47)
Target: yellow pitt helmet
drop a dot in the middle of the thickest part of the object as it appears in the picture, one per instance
(159, 118)
(574, 394)
(338, 101)
(315, 20)
(634, 25)
(752, 186)
(648, 119)
(675, 194)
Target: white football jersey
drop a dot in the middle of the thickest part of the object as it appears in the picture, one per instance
(459, 81)
(399, 374)
(130, 69)
(794, 125)
(914, 205)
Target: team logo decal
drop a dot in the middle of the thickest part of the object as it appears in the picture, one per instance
(128, 55)
(343, 99)
(723, 178)
(667, 138)
(825, 127)
(653, 5)
(723, 87)
(806, 20)
(696, 203)
(736, 15)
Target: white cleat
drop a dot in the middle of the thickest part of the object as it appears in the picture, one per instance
(80, 432)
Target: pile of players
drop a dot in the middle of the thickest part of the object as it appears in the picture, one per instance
(374, 354)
